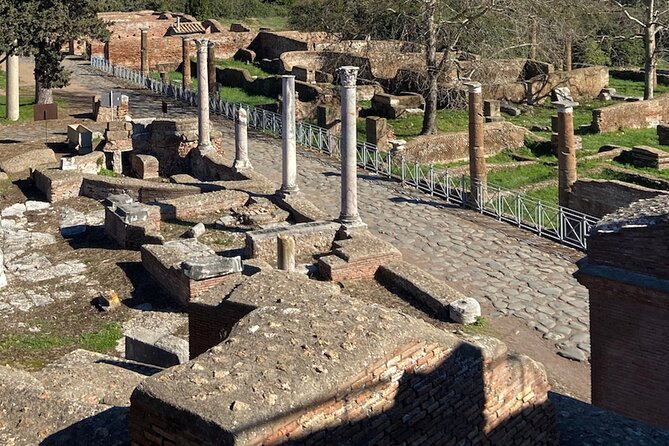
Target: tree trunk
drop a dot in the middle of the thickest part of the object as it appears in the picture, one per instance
(44, 96)
(430, 115)
(567, 54)
(650, 62)
(532, 29)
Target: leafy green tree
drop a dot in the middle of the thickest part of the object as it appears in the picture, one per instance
(42, 28)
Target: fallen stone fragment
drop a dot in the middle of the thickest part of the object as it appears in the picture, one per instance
(33, 205)
(205, 267)
(196, 231)
(107, 301)
(573, 353)
(465, 310)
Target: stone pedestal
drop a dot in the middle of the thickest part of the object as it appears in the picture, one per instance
(566, 151)
(12, 88)
(144, 52)
(288, 139)
(491, 111)
(241, 142)
(349, 216)
(185, 63)
(377, 132)
(204, 140)
(477, 164)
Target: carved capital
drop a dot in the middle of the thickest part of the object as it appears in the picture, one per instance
(348, 76)
(202, 45)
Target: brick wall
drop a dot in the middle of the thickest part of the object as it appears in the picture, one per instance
(176, 284)
(57, 184)
(601, 197)
(185, 208)
(337, 269)
(419, 394)
(631, 115)
(630, 354)
(99, 187)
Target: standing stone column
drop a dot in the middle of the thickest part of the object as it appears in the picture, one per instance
(567, 54)
(185, 61)
(12, 88)
(211, 68)
(477, 164)
(105, 50)
(241, 142)
(204, 141)
(285, 258)
(566, 151)
(288, 140)
(144, 52)
(349, 216)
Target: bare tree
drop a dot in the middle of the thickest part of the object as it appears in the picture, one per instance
(651, 18)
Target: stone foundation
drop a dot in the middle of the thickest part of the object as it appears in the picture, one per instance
(131, 224)
(601, 197)
(358, 257)
(631, 115)
(193, 206)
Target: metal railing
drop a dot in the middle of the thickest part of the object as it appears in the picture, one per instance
(558, 223)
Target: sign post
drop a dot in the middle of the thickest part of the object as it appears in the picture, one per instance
(45, 112)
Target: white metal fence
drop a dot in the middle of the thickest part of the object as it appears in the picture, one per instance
(554, 222)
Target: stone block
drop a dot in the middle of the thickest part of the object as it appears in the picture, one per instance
(145, 166)
(155, 348)
(663, 134)
(117, 135)
(491, 108)
(80, 138)
(465, 310)
(196, 231)
(131, 212)
(208, 266)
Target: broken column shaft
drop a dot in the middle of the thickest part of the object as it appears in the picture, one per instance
(204, 140)
(288, 140)
(185, 63)
(241, 141)
(349, 188)
(12, 88)
(566, 151)
(477, 164)
(144, 50)
(285, 258)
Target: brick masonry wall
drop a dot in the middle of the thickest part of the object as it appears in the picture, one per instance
(176, 284)
(631, 115)
(189, 207)
(630, 354)
(338, 270)
(601, 197)
(58, 185)
(419, 394)
(99, 187)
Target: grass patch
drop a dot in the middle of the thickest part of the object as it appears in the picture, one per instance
(103, 339)
(33, 342)
(106, 172)
(633, 88)
(26, 104)
(548, 194)
(517, 177)
(252, 69)
(626, 137)
(238, 95)
(478, 327)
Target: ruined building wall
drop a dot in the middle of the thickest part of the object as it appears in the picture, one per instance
(631, 115)
(421, 393)
(601, 197)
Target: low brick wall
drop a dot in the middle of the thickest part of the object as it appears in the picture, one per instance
(134, 235)
(631, 115)
(446, 147)
(99, 187)
(189, 207)
(169, 277)
(601, 197)
(421, 393)
(57, 185)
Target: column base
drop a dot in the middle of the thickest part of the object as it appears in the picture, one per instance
(350, 226)
(240, 165)
(205, 148)
(285, 192)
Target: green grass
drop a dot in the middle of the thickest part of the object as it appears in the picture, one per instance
(103, 339)
(548, 194)
(626, 138)
(238, 95)
(634, 88)
(252, 69)
(517, 177)
(106, 172)
(99, 341)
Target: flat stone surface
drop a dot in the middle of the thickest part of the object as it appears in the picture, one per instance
(205, 267)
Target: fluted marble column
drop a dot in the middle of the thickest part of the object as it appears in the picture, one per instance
(204, 139)
(349, 216)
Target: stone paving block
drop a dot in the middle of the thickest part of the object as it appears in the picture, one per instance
(155, 348)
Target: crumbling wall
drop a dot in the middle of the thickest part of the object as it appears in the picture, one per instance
(420, 392)
(631, 115)
(271, 45)
(445, 147)
(601, 197)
